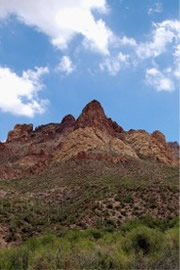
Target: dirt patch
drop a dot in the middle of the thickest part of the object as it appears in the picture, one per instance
(2, 194)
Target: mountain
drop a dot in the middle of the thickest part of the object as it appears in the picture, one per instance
(84, 172)
(92, 136)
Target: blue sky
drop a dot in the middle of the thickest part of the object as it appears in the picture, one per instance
(56, 56)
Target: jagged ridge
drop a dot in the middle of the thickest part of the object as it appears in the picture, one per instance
(92, 136)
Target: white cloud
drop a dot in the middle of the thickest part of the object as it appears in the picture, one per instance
(165, 33)
(128, 41)
(98, 37)
(164, 41)
(159, 80)
(61, 20)
(156, 8)
(114, 64)
(66, 66)
(19, 94)
(177, 61)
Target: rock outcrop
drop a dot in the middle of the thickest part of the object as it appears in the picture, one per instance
(20, 132)
(175, 147)
(152, 146)
(67, 124)
(93, 116)
(92, 136)
(93, 140)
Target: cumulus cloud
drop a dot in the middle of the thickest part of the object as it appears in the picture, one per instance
(164, 41)
(159, 80)
(65, 66)
(177, 61)
(62, 20)
(164, 33)
(19, 94)
(125, 41)
(114, 64)
(156, 8)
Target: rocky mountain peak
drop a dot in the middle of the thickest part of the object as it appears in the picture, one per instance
(94, 105)
(67, 123)
(92, 136)
(68, 119)
(20, 132)
(159, 136)
(175, 148)
(93, 116)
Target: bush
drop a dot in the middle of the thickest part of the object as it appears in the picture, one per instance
(15, 259)
(143, 239)
(97, 259)
(96, 234)
(43, 261)
(135, 247)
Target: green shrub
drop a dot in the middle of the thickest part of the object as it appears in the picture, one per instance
(135, 246)
(15, 259)
(43, 261)
(143, 239)
(97, 259)
(96, 234)
(48, 239)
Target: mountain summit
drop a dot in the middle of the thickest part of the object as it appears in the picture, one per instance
(93, 136)
(93, 116)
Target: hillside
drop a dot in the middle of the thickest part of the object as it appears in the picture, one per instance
(83, 173)
(92, 136)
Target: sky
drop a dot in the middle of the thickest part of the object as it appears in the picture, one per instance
(58, 55)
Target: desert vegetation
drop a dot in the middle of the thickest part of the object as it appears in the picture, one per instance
(136, 245)
(85, 198)
(96, 217)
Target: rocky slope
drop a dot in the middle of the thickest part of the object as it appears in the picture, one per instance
(92, 136)
(84, 172)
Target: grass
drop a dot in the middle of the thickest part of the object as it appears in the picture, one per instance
(132, 247)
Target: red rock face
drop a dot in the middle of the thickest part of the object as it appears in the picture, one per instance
(44, 133)
(175, 148)
(25, 134)
(20, 132)
(67, 124)
(92, 136)
(93, 116)
(159, 136)
(2, 147)
(117, 129)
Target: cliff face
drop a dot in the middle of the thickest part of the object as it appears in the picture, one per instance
(175, 148)
(93, 116)
(92, 136)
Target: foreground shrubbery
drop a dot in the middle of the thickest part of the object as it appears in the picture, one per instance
(135, 246)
